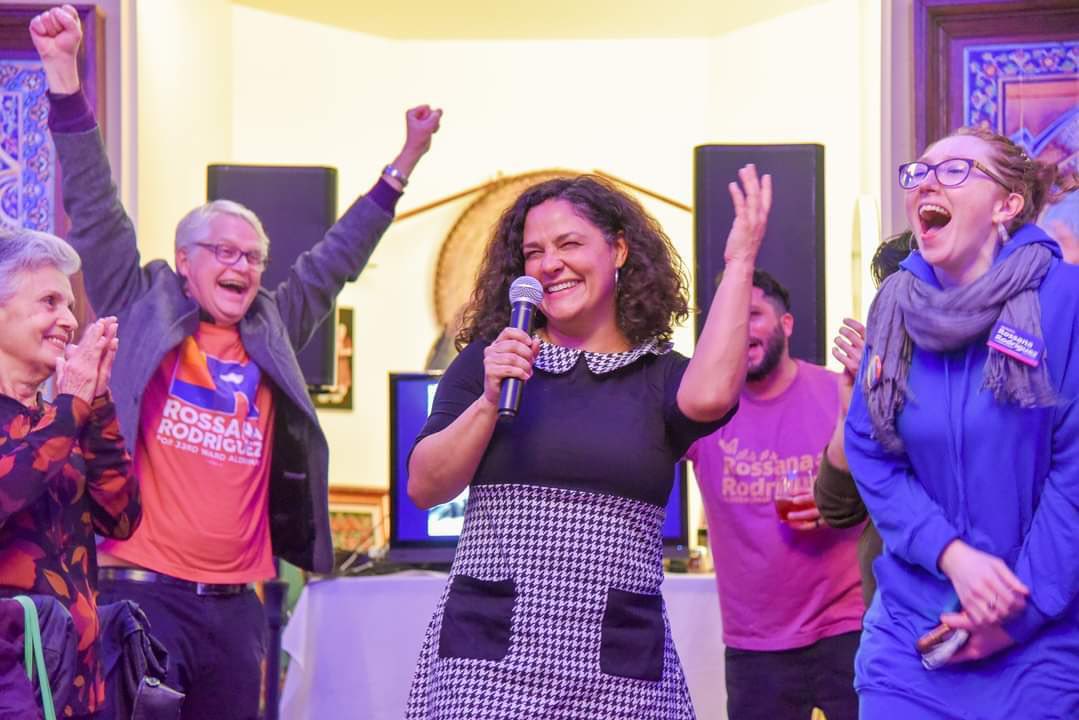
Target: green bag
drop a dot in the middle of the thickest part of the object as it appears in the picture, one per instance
(35, 656)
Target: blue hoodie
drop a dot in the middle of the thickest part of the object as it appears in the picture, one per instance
(1004, 480)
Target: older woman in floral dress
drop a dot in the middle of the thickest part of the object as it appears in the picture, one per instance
(64, 472)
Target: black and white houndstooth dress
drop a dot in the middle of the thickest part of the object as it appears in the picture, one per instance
(553, 609)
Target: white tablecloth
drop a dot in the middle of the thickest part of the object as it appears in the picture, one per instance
(354, 642)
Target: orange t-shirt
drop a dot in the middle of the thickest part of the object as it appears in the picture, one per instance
(203, 462)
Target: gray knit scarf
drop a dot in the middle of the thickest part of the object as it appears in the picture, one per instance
(908, 311)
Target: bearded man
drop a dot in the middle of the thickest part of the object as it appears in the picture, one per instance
(789, 586)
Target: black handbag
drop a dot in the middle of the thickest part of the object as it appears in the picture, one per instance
(154, 700)
(135, 666)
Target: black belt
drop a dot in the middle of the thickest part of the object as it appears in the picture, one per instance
(149, 576)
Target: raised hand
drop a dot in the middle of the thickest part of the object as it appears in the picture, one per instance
(752, 203)
(421, 123)
(510, 355)
(56, 34)
(849, 346)
(77, 372)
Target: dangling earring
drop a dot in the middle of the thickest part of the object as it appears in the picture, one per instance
(1002, 233)
(616, 277)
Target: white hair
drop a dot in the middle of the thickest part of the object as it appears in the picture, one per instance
(195, 226)
(22, 250)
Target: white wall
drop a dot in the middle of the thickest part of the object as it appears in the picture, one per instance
(897, 93)
(620, 106)
(121, 96)
(184, 87)
(799, 79)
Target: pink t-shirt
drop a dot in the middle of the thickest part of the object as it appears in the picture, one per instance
(203, 461)
(779, 588)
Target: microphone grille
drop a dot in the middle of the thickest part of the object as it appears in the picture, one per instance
(526, 288)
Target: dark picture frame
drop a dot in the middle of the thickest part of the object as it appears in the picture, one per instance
(943, 28)
(339, 395)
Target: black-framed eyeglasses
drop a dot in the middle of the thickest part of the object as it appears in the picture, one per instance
(950, 173)
(230, 255)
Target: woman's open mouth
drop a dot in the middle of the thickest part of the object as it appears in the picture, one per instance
(932, 218)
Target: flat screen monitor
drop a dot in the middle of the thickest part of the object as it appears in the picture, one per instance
(430, 536)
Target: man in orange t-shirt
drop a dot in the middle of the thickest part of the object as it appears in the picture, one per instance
(231, 459)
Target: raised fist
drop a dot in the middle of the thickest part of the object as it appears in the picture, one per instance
(422, 122)
(57, 33)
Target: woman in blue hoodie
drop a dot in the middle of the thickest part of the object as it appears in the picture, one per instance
(963, 438)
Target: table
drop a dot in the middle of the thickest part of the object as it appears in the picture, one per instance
(354, 642)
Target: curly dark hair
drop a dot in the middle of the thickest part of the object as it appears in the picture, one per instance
(773, 289)
(652, 293)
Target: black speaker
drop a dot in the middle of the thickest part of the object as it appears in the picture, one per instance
(793, 249)
(296, 205)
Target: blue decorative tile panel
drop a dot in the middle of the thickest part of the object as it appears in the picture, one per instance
(1043, 78)
(27, 158)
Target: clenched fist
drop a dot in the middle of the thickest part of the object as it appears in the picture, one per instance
(56, 34)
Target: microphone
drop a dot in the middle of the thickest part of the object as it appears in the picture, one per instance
(526, 294)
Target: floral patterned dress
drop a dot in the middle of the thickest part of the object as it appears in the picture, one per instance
(64, 475)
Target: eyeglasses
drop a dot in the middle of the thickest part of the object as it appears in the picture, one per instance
(950, 173)
(230, 255)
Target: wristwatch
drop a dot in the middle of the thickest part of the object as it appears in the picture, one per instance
(391, 171)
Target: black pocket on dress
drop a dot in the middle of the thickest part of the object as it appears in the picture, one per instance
(476, 619)
(632, 643)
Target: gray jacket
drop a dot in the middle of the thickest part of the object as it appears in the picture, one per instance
(155, 316)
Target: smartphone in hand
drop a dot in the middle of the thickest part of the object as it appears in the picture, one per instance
(939, 644)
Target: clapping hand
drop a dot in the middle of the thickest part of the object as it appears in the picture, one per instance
(84, 369)
(849, 346)
(110, 329)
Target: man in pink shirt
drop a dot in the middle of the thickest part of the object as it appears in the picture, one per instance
(789, 587)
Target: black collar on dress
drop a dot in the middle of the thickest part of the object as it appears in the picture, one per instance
(559, 360)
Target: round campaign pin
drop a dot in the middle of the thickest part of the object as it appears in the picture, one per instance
(873, 372)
